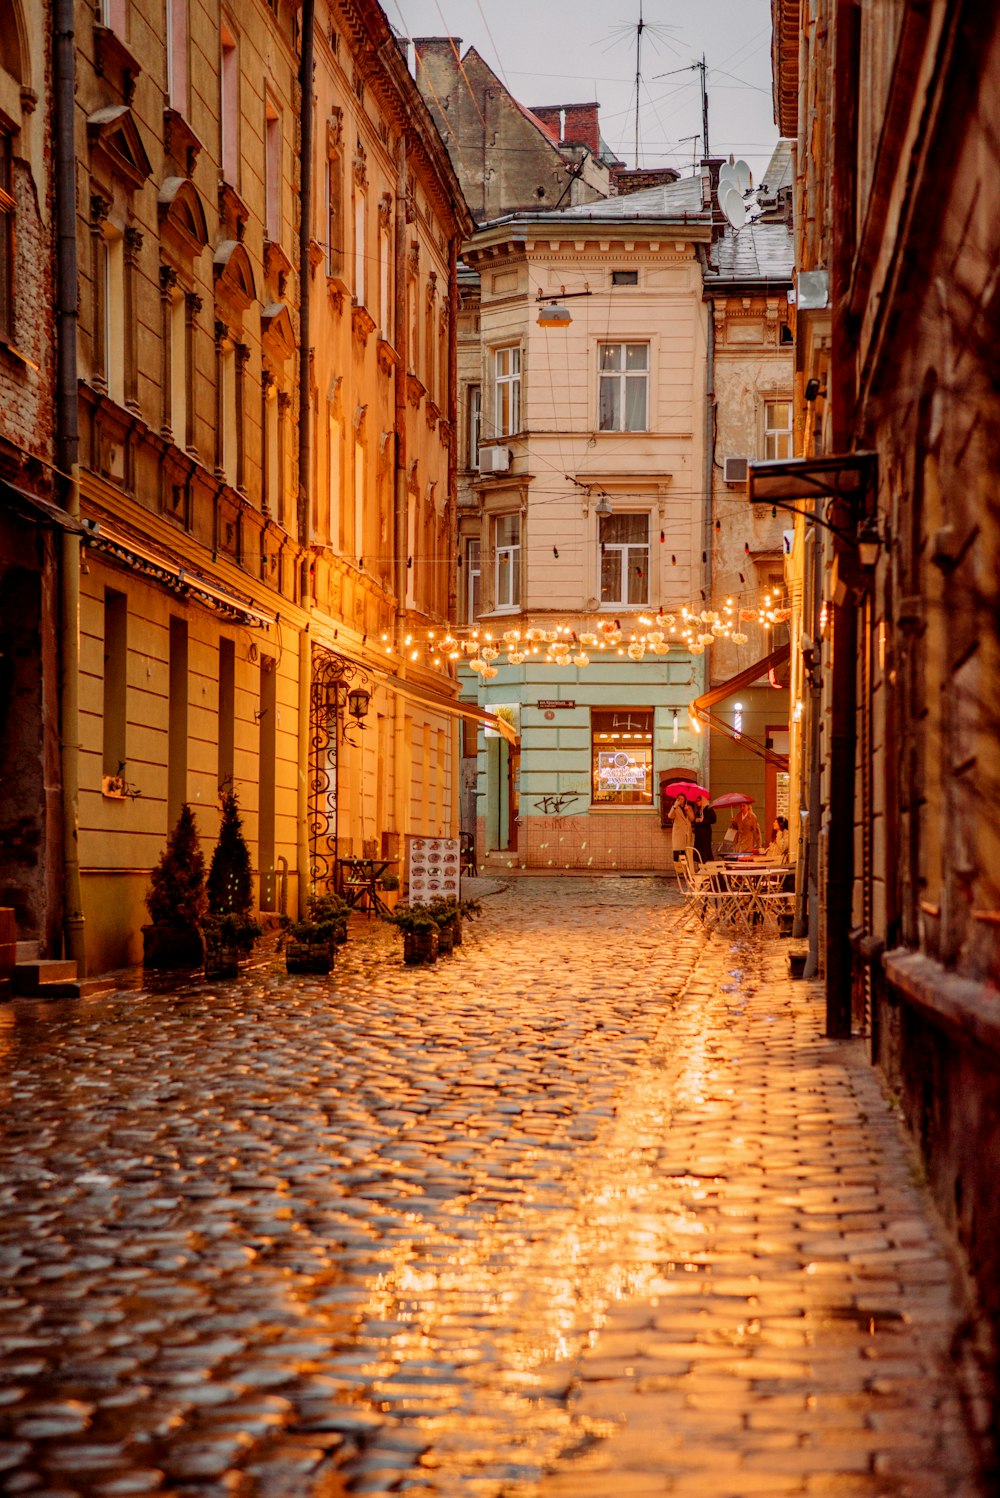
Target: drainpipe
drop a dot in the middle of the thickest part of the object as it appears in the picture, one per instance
(709, 445)
(67, 462)
(709, 471)
(399, 525)
(815, 809)
(305, 440)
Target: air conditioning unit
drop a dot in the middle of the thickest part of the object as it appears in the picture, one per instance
(494, 459)
(735, 470)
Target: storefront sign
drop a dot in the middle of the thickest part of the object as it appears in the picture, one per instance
(617, 770)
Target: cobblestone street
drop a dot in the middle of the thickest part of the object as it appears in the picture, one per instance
(588, 1208)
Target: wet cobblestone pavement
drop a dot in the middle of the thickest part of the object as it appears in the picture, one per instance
(589, 1199)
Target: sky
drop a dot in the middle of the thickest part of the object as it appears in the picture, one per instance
(575, 51)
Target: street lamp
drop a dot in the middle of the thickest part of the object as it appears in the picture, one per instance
(551, 312)
(358, 699)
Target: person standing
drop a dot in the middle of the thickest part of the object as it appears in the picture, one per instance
(747, 830)
(681, 818)
(704, 821)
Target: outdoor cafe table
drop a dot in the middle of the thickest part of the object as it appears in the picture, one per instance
(359, 882)
(748, 891)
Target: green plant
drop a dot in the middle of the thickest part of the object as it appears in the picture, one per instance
(470, 910)
(232, 930)
(176, 894)
(230, 877)
(389, 881)
(325, 922)
(413, 918)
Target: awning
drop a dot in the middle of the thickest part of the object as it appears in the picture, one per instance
(742, 679)
(699, 707)
(847, 476)
(451, 706)
(34, 507)
(174, 575)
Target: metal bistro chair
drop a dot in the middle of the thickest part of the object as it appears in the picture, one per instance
(703, 895)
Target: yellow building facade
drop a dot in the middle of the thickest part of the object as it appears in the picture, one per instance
(261, 527)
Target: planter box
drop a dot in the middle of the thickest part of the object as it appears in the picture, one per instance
(420, 947)
(447, 938)
(221, 961)
(309, 956)
(171, 946)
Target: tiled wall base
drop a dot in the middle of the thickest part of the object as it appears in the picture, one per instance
(603, 840)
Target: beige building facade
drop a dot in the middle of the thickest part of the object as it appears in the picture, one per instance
(266, 413)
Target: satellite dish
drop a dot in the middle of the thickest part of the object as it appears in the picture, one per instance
(744, 177)
(731, 204)
(727, 173)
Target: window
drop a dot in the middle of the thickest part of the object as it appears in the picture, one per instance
(777, 429)
(624, 559)
(472, 580)
(229, 105)
(226, 725)
(334, 216)
(115, 680)
(624, 278)
(179, 371)
(177, 63)
(272, 173)
(474, 411)
(624, 377)
(227, 440)
(360, 258)
(6, 239)
(508, 391)
(113, 312)
(385, 278)
(621, 740)
(112, 13)
(507, 543)
(177, 719)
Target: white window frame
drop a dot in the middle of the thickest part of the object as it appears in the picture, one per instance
(623, 379)
(473, 579)
(626, 562)
(474, 420)
(777, 440)
(507, 566)
(507, 390)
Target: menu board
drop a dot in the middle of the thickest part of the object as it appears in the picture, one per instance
(433, 868)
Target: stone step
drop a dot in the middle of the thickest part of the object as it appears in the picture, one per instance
(30, 977)
(75, 988)
(27, 951)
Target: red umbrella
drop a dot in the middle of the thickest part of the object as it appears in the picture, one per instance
(686, 788)
(733, 798)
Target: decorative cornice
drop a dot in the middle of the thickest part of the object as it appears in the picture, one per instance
(180, 142)
(386, 355)
(415, 390)
(112, 59)
(362, 323)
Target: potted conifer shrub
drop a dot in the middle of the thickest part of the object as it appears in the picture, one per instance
(230, 929)
(420, 933)
(176, 900)
(311, 944)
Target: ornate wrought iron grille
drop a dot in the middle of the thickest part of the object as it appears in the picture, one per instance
(332, 675)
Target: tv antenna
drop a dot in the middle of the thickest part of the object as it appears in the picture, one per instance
(694, 67)
(640, 29)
